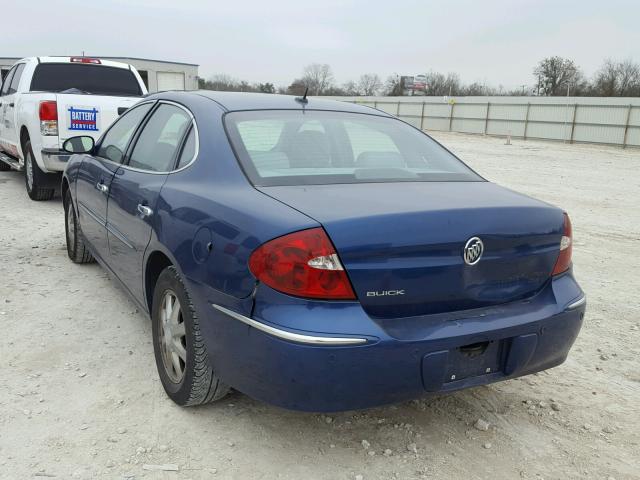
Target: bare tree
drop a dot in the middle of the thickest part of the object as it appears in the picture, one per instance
(393, 87)
(369, 84)
(317, 77)
(476, 89)
(556, 74)
(351, 89)
(225, 83)
(617, 79)
(439, 84)
(297, 87)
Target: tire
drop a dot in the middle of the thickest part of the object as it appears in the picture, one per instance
(76, 247)
(181, 354)
(33, 177)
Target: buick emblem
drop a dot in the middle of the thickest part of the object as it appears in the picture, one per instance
(472, 252)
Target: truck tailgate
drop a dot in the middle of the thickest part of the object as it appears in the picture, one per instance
(88, 114)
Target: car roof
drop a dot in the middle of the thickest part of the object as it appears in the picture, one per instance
(235, 101)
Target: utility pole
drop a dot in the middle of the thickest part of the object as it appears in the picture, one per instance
(523, 87)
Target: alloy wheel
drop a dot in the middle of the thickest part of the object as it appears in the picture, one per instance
(172, 337)
(28, 168)
(71, 226)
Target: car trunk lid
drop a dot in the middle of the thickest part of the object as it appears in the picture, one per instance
(402, 243)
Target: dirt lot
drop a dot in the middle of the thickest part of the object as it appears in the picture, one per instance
(80, 397)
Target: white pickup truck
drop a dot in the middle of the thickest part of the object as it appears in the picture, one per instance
(45, 100)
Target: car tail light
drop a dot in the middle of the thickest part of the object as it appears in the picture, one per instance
(95, 61)
(48, 117)
(566, 246)
(304, 264)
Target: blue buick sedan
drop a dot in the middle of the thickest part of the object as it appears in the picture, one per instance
(317, 255)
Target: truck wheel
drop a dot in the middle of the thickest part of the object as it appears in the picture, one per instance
(181, 354)
(33, 177)
(76, 248)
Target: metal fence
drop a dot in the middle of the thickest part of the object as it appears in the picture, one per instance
(611, 121)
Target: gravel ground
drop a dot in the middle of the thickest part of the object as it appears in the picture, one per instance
(80, 397)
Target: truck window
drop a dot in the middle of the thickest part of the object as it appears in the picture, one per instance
(85, 78)
(7, 82)
(13, 88)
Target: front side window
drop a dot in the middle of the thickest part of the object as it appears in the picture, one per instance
(295, 147)
(158, 143)
(85, 78)
(115, 141)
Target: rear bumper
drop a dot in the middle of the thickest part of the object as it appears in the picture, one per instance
(54, 160)
(301, 374)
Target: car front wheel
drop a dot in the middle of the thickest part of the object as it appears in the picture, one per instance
(181, 354)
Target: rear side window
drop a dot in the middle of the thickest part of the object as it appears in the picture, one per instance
(13, 88)
(85, 78)
(188, 150)
(158, 143)
(115, 141)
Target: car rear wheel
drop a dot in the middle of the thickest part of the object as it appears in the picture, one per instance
(33, 177)
(181, 354)
(76, 248)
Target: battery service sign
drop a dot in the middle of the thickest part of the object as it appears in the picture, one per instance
(83, 118)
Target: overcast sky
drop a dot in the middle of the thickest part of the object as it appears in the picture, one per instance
(492, 41)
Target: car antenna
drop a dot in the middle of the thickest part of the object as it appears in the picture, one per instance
(303, 99)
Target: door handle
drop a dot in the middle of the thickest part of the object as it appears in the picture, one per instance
(144, 211)
(102, 187)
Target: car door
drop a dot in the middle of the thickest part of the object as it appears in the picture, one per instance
(9, 133)
(136, 187)
(96, 174)
(4, 106)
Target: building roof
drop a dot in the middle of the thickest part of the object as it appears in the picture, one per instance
(148, 60)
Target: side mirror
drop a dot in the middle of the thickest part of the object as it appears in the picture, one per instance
(83, 144)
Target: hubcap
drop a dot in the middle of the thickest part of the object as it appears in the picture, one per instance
(172, 337)
(28, 168)
(71, 227)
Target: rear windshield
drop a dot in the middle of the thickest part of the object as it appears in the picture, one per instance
(295, 147)
(85, 78)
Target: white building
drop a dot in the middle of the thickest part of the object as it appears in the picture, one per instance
(158, 75)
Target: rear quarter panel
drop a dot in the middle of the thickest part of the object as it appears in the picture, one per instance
(211, 201)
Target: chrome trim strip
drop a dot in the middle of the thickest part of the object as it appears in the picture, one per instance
(151, 172)
(93, 216)
(120, 236)
(578, 303)
(290, 336)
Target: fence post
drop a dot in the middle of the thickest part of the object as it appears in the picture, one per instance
(422, 116)
(573, 122)
(626, 127)
(451, 115)
(486, 118)
(398, 110)
(375, 104)
(526, 120)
